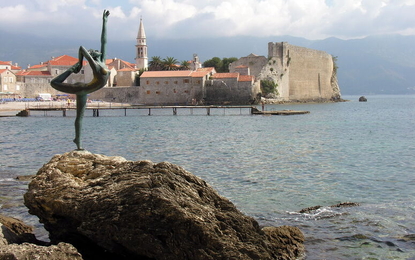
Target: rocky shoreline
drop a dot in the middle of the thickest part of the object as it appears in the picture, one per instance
(100, 207)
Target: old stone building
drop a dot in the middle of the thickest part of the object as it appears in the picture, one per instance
(179, 87)
(35, 82)
(8, 84)
(36, 79)
(9, 87)
(232, 88)
(301, 74)
(123, 73)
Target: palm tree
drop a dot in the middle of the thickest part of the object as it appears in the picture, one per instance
(185, 65)
(170, 63)
(155, 64)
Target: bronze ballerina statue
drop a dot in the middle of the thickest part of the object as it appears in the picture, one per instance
(101, 74)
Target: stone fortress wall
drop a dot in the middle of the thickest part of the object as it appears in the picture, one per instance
(302, 74)
(310, 74)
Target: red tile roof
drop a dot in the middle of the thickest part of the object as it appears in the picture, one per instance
(127, 69)
(120, 64)
(38, 66)
(166, 74)
(245, 78)
(63, 60)
(225, 75)
(200, 74)
(9, 63)
(33, 73)
(209, 69)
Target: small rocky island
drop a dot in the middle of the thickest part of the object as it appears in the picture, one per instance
(101, 207)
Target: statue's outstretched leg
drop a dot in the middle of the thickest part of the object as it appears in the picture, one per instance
(58, 82)
(80, 109)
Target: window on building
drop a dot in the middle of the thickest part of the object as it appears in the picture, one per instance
(148, 92)
(11, 79)
(176, 82)
(5, 79)
(157, 82)
(174, 91)
(5, 87)
(158, 92)
(166, 82)
(148, 82)
(186, 81)
(17, 87)
(186, 91)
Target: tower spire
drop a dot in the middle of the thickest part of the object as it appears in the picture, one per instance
(141, 58)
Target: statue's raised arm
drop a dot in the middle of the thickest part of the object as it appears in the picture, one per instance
(104, 35)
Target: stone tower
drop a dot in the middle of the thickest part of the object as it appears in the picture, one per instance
(141, 58)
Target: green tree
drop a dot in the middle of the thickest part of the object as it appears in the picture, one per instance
(155, 64)
(215, 62)
(138, 76)
(170, 63)
(335, 67)
(226, 62)
(185, 65)
(269, 87)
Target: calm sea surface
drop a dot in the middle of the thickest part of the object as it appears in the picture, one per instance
(271, 167)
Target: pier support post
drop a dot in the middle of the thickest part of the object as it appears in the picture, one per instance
(175, 111)
(149, 111)
(95, 112)
(64, 112)
(208, 111)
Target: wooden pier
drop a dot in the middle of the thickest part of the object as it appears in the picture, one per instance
(96, 110)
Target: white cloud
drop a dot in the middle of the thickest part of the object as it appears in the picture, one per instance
(12, 14)
(210, 18)
(55, 5)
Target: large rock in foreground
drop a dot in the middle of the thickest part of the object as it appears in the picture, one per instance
(18, 243)
(142, 210)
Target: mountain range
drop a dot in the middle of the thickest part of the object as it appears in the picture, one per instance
(373, 65)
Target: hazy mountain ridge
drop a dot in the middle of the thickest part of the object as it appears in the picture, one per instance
(372, 65)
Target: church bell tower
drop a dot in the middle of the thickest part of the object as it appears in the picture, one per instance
(141, 58)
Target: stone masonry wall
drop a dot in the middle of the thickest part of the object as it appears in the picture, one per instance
(310, 74)
(117, 94)
(229, 92)
(254, 62)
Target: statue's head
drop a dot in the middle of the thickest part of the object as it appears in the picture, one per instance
(95, 54)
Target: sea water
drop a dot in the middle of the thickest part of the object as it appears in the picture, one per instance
(270, 167)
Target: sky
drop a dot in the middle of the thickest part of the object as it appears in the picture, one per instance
(183, 19)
